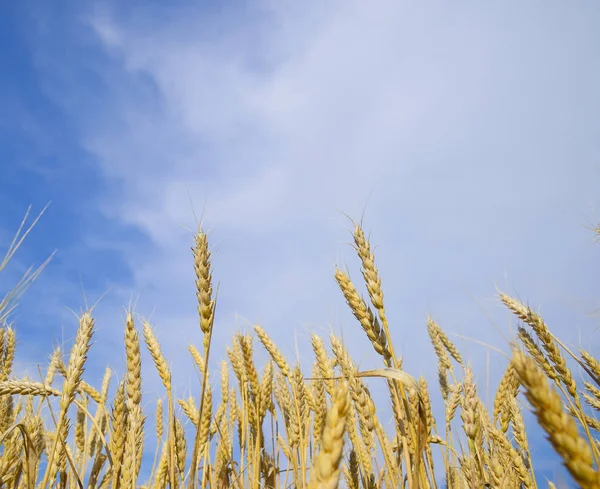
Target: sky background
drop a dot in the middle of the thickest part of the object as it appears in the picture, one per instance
(468, 135)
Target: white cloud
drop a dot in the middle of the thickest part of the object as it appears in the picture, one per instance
(460, 127)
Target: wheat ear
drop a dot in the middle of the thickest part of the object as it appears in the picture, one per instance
(561, 428)
(326, 470)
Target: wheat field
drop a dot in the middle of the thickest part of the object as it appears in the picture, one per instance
(277, 426)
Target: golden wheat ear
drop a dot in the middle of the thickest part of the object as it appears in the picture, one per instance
(365, 316)
(561, 428)
(326, 469)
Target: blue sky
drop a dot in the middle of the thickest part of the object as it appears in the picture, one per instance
(468, 134)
